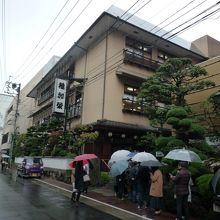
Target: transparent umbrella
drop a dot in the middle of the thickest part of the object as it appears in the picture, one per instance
(183, 155)
(143, 156)
(119, 155)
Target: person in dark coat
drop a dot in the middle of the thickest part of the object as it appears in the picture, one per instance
(79, 183)
(181, 182)
(143, 187)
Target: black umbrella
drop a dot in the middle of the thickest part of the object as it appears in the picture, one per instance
(151, 163)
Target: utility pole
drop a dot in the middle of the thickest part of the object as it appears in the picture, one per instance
(13, 145)
(17, 88)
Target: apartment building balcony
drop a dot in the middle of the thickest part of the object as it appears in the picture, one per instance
(139, 59)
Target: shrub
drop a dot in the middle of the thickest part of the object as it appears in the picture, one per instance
(178, 112)
(173, 121)
(104, 178)
(185, 123)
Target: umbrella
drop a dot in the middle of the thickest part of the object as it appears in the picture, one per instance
(119, 155)
(118, 167)
(151, 163)
(85, 157)
(183, 155)
(143, 156)
(73, 163)
(215, 180)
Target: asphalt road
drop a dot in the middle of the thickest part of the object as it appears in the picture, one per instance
(22, 199)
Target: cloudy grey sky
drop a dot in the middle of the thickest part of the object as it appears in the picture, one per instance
(35, 30)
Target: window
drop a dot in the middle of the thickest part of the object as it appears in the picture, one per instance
(130, 99)
(162, 56)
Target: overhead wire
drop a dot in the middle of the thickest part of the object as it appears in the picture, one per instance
(185, 6)
(61, 36)
(49, 27)
(190, 19)
(190, 10)
(52, 34)
(194, 23)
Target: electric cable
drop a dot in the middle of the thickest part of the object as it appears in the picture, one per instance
(204, 11)
(60, 36)
(190, 10)
(50, 37)
(29, 55)
(185, 6)
(193, 24)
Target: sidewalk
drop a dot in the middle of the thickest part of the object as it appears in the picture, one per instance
(103, 198)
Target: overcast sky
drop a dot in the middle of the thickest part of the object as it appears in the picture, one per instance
(35, 30)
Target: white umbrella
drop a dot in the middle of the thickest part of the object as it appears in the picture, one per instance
(183, 155)
(143, 156)
(119, 155)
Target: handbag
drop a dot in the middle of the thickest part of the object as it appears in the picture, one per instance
(86, 178)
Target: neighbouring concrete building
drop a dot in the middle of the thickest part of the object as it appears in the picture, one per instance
(105, 68)
(5, 101)
(26, 106)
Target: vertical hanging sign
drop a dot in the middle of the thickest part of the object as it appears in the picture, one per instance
(59, 96)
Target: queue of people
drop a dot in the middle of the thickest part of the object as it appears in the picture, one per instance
(144, 186)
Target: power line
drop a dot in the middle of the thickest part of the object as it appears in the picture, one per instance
(29, 55)
(193, 24)
(204, 11)
(60, 36)
(187, 12)
(190, 10)
(172, 15)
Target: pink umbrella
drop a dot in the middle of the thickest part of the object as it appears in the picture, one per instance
(73, 163)
(85, 157)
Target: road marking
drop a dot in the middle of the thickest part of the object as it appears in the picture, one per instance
(95, 200)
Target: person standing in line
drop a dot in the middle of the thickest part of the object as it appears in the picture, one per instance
(79, 183)
(181, 184)
(143, 186)
(156, 190)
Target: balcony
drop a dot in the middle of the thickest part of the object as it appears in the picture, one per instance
(140, 60)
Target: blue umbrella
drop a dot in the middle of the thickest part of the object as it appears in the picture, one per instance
(118, 167)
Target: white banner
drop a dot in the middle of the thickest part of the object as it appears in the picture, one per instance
(59, 96)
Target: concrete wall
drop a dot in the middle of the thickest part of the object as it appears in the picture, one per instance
(51, 163)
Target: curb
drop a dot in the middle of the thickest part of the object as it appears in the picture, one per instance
(101, 206)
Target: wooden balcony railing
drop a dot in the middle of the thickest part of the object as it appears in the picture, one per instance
(138, 59)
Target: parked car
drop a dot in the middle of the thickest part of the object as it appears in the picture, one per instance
(30, 167)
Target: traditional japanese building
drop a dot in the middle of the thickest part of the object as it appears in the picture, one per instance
(103, 71)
